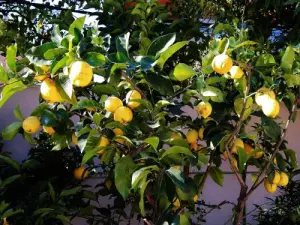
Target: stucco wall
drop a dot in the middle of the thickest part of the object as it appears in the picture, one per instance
(213, 194)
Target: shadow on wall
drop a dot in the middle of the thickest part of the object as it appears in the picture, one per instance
(213, 194)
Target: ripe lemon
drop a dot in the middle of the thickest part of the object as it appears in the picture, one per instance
(118, 131)
(222, 64)
(49, 91)
(271, 108)
(276, 178)
(284, 179)
(192, 136)
(271, 188)
(176, 204)
(103, 142)
(238, 143)
(112, 104)
(31, 124)
(262, 96)
(131, 95)
(123, 115)
(258, 155)
(81, 73)
(200, 133)
(74, 139)
(248, 149)
(80, 173)
(236, 72)
(204, 109)
(49, 130)
(196, 197)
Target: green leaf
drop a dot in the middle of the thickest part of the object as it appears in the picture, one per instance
(169, 52)
(60, 141)
(140, 174)
(271, 128)
(97, 118)
(10, 161)
(141, 202)
(100, 89)
(63, 218)
(292, 157)
(36, 54)
(177, 150)
(94, 59)
(214, 93)
(217, 175)
(12, 212)
(54, 53)
(10, 89)
(69, 192)
(38, 111)
(9, 132)
(292, 80)
(144, 103)
(123, 171)
(238, 107)
(41, 211)
(51, 191)
(48, 118)
(147, 63)
(78, 24)
(86, 103)
(122, 44)
(202, 158)
(280, 162)
(245, 43)
(153, 141)
(183, 72)
(160, 84)
(10, 179)
(161, 44)
(177, 177)
(287, 60)
(108, 155)
(242, 159)
(223, 27)
(91, 143)
(65, 89)
(206, 63)
(55, 35)
(11, 55)
(3, 75)
(265, 60)
(3, 206)
(18, 113)
(61, 63)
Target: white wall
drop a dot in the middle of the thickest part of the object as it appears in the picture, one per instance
(213, 194)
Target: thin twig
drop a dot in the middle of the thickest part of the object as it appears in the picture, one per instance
(132, 84)
(201, 185)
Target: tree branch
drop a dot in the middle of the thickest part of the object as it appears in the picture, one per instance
(261, 175)
(132, 84)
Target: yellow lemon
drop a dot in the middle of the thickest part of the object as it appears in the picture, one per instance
(45, 68)
(81, 73)
(112, 104)
(118, 131)
(103, 142)
(41, 77)
(284, 179)
(49, 91)
(74, 139)
(262, 96)
(131, 95)
(192, 136)
(31, 124)
(5, 221)
(123, 115)
(200, 133)
(236, 72)
(238, 143)
(225, 154)
(276, 178)
(176, 204)
(235, 163)
(222, 64)
(271, 108)
(49, 130)
(177, 167)
(271, 188)
(204, 109)
(80, 173)
(258, 154)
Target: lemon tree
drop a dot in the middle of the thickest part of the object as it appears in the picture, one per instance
(128, 92)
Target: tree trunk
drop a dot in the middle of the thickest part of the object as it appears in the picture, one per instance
(239, 212)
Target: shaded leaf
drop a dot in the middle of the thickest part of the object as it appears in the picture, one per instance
(10, 162)
(94, 59)
(177, 150)
(217, 175)
(238, 107)
(11, 56)
(160, 84)
(9, 132)
(161, 44)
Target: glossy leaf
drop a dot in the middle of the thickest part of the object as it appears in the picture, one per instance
(3, 74)
(77, 24)
(217, 175)
(94, 59)
(153, 141)
(161, 44)
(287, 60)
(177, 150)
(9, 132)
(10, 89)
(160, 84)
(11, 57)
(238, 107)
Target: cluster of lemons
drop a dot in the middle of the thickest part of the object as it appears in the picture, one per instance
(280, 178)
(265, 98)
(192, 137)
